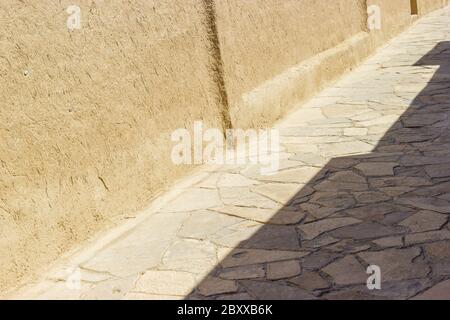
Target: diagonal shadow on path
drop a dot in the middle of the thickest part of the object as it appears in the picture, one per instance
(387, 208)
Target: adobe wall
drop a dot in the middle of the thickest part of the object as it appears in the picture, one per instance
(276, 53)
(261, 40)
(395, 16)
(86, 116)
(426, 6)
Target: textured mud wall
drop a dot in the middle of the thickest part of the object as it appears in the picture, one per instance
(395, 17)
(86, 116)
(262, 39)
(426, 6)
(280, 52)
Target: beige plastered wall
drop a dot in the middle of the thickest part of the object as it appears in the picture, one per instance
(280, 52)
(426, 6)
(86, 115)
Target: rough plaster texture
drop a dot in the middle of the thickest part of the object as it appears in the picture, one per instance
(395, 16)
(276, 53)
(263, 39)
(86, 116)
(426, 6)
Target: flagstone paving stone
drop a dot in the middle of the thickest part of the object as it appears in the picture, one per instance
(398, 264)
(425, 221)
(440, 291)
(283, 269)
(315, 229)
(346, 271)
(310, 281)
(245, 272)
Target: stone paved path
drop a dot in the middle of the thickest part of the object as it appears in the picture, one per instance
(365, 180)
